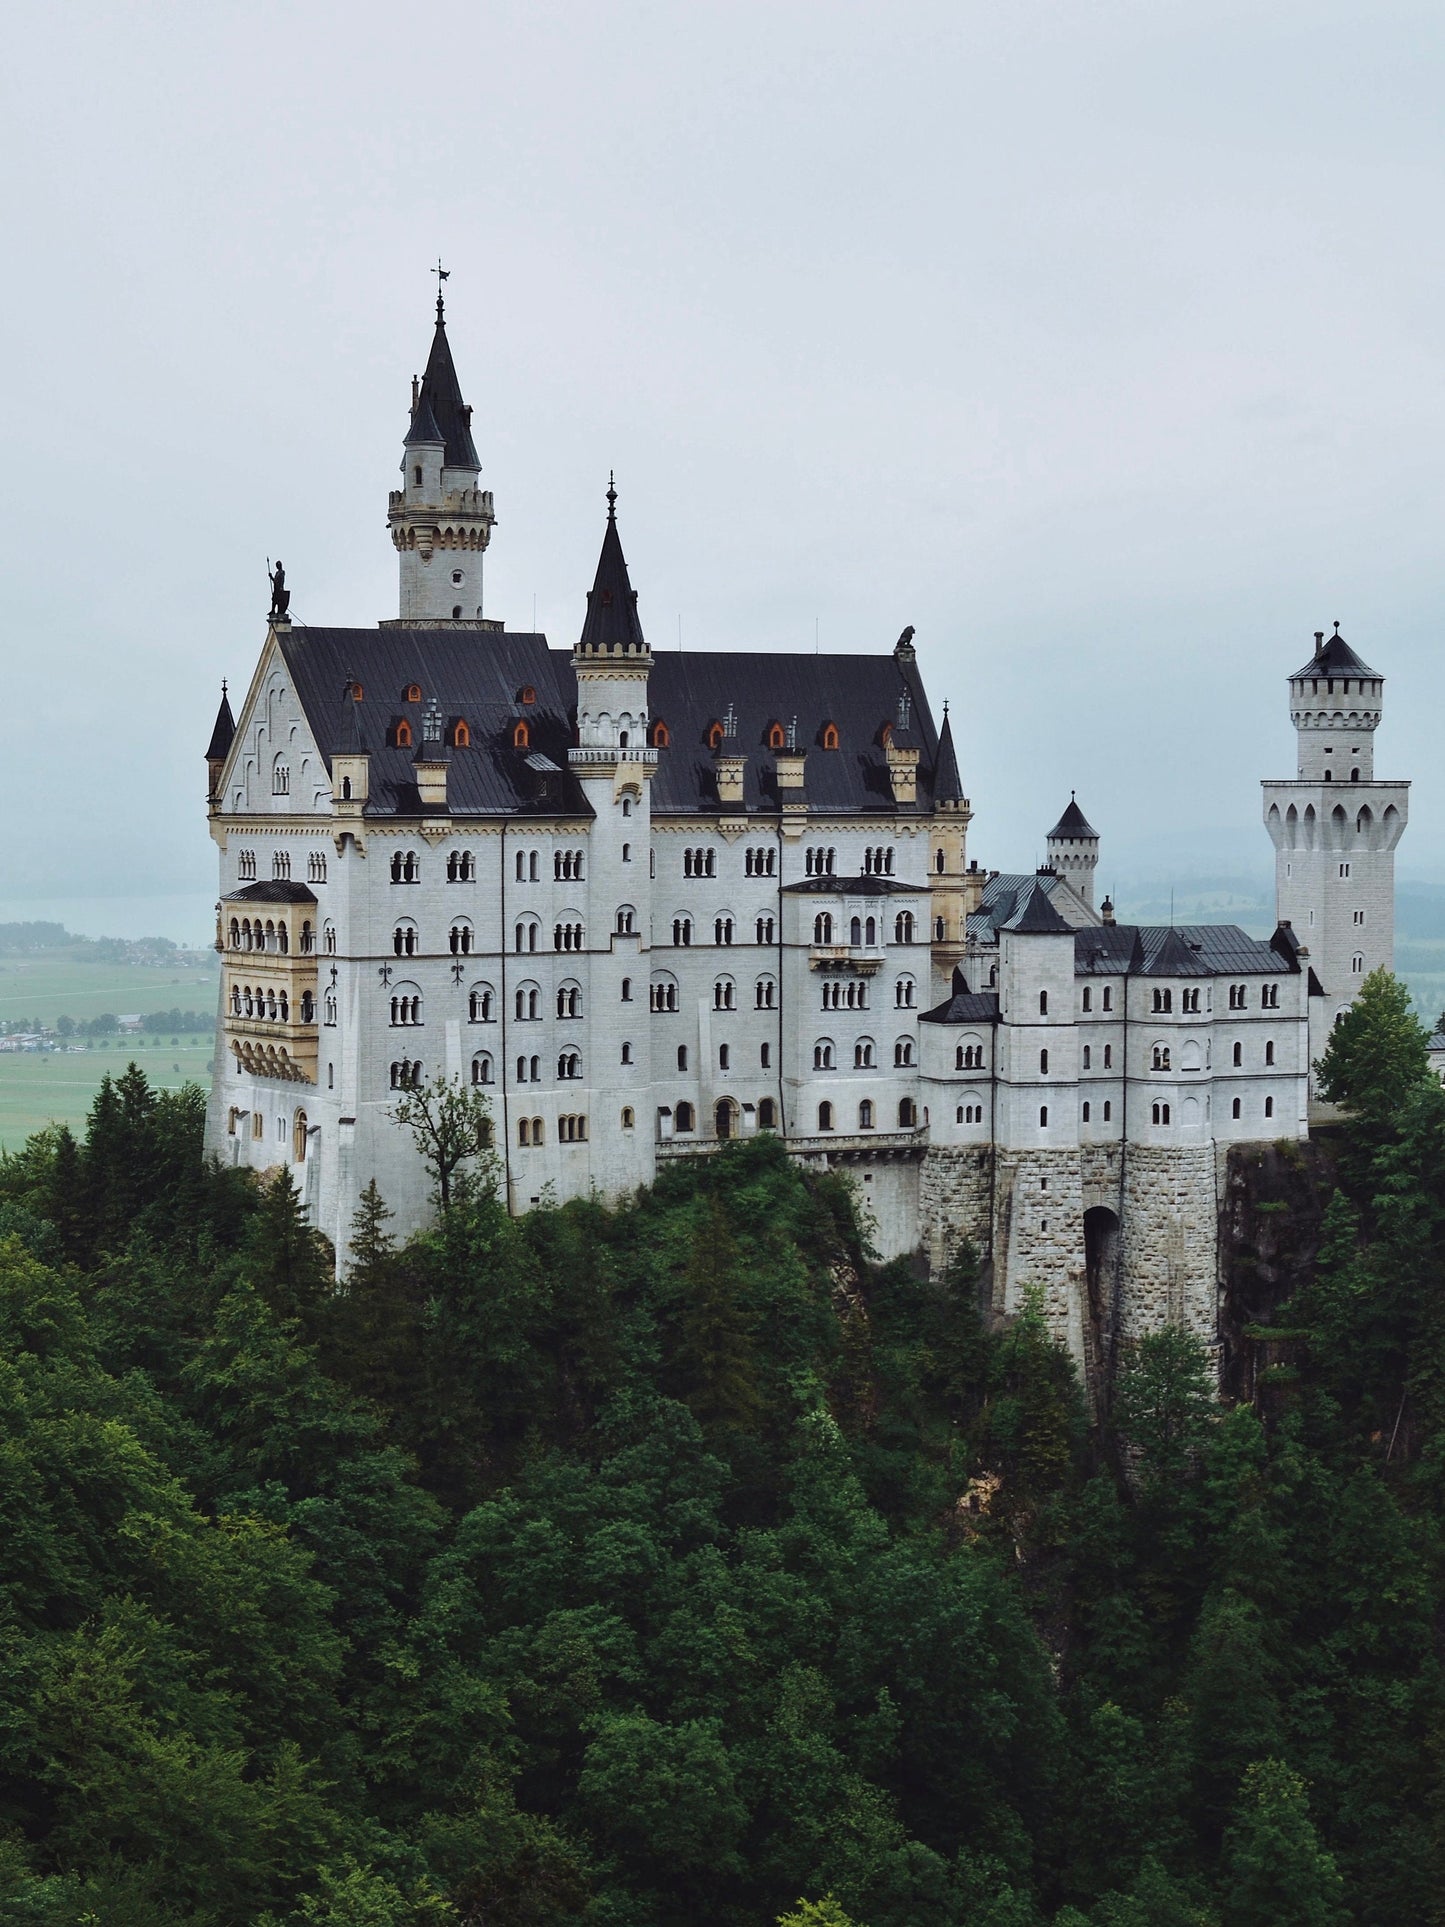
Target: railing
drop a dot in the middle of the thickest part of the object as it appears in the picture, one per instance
(867, 957)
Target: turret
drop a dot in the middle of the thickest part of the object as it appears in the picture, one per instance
(223, 734)
(350, 764)
(441, 520)
(1073, 850)
(1335, 704)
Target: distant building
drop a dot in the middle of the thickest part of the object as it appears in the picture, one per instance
(651, 903)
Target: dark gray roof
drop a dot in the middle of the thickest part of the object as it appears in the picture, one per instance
(1149, 950)
(612, 625)
(442, 393)
(1036, 916)
(479, 676)
(1073, 823)
(859, 886)
(423, 424)
(223, 733)
(1334, 657)
(947, 787)
(274, 892)
(964, 1007)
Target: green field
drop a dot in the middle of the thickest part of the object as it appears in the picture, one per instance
(57, 1087)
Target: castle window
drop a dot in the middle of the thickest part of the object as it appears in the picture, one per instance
(412, 693)
(830, 736)
(280, 779)
(569, 1065)
(1085, 1114)
(715, 736)
(456, 611)
(1108, 1057)
(1088, 1057)
(855, 932)
(1269, 994)
(1043, 1063)
(401, 734)
(481, 1068)
(865, 1115)
(627, 853)
(903, 927)
(682, 1057)
(315, 868)
(1357, 964)
(308, 1007)
(1269, 1107)
(863, 1054)
(1238, 1056)
(246, 865)
(1043, 1115)
(763, 930)
(456, 578)
(1234, 1108)
(626, 990)
(626, 1053)
(481, 1005)
(938, 930)
(629, 1118)
(681, 932)
(760, 862)
(1108, 1110)
(461, 735)
(569, 1000)
(823, 927)
(416, 474)
(660, 735)
(404, 939)
(281, 866)
(724, 994)
(405, 867)
(777, 736)
(1161, 1057)
(567, 866)
(527, 1003)
(683, 1117)
(724, 1057)
(459, 938)
(903, 1053)
(764, 993)
(907, 1114)
(521, 735)
(938, 862)
(1043, 1003)
(1269, 1051)
(663, 995)
(525, 934)
(825, 1117)
(1088, 997)
(765, 1056)
(722, 930)
(823, 1054)
(1344, 869)
(461, 867)
(1236, 996)
(406, 1075)
(904, 994)
(1108, 996)
(406, 1006)
(767, 1115)
(567, 936)
(626, 920)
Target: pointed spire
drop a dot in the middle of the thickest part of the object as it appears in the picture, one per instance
(612, 626)
(423, 424)
(441, 393)
(947, 788)
(1073, 823)
(224, 733)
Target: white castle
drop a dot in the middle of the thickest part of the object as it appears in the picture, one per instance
(650, 903)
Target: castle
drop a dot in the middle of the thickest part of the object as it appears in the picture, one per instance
(650, 903)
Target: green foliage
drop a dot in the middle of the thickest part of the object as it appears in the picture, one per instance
(676, 1563)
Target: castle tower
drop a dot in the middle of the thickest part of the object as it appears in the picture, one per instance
(1074, 850)
(1335, 828)
(441, 521)
(954, 890)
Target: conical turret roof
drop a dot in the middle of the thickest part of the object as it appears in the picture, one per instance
(224, 732)
(423, 424)
(947, 788)
(1334, 657)
(612, 625)
(1073, 823)
(1037, 917)
(441, 392)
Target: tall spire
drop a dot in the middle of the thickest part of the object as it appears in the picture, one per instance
(947, 788)
(612, 626)
(441, 392)
(224, 732)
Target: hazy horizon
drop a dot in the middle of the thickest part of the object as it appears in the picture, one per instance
(1104, 348)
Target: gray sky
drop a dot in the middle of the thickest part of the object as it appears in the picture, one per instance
(1102, 342)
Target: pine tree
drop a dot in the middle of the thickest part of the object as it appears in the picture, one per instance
(715, 1348)
(283, 1257)
(1275, 1872)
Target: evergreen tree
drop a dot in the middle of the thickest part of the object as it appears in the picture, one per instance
(1276, 1874)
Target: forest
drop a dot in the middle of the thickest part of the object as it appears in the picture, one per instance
(678, 1563)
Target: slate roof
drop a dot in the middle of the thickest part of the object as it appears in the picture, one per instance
(612, 625)
(1334, 658)
(1073, 823)
(273, 892)
(1036, 916)
(423, 424)
(947, 786)
(441, 392)
(1183, 950)
(223, 733)
(479, 675)
(964, 1007)
(859, 886)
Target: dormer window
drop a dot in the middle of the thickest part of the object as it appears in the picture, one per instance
(777, 736)
(412, 693)
(830, 736)
(715, 736)
(401, 735)
(461, 735)
(521, 736)
(660, 735)
(526, 695)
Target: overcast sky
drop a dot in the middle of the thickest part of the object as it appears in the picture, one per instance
(1101, 342)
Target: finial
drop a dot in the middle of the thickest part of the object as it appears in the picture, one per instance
(1337, 628)
(793, 734)
(611, 496)
(730, 722)
(945, 707)
(224, 689)
(1073, 795)
(442, 274)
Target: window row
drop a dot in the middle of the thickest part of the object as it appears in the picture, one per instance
(864, 1054)
(682, 1118)
(907, 1115)
(254, 933)
(269, 1005)
(862, 931)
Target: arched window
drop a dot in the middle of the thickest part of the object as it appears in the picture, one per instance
(1043, 1063)
(525, 933)
(825, 1116)
(830, 736)
(461, 734)
(412, 693)
(765, 992)
(1269, 1107)
(659, 735)
(280, 778)
(904, 992)
(405, 1005)
(903, 1053)
(683, 1117)
(1234, 1108)
(404, 938)
(865, 1115)
(722, 930)
(1043, 1117)
(724, 994)
(939, 930)
(308, 1007)
(328, 939)
(855, 932)
(527, 1003)
(907, 1114)
(863, 1058)
(404, 867)
(715, 734)
(401, 734)
(777, 736)
(1043, 1003)
(1088, 998)
(481, 1005)
(823, 927)
(763, 930)
(459, 938)
(663, 995)
(521, 735)
(681, 932)
(629, 1117)
(1269, 1050)
(626, 990)
(1088, 1057)
(482, 1068)
(569, 1065)
(823, 1054)
(903, 927)
(281, 866)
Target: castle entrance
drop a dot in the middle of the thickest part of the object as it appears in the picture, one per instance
(1101, 1276)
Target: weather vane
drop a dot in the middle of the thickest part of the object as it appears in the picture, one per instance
(442, 274)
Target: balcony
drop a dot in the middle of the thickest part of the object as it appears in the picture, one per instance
(859, 959)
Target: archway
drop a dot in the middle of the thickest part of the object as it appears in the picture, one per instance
(725, 1117)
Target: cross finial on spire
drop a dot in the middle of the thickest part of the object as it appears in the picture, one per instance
(442, 274)
(611, 496)
(1337, 628)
